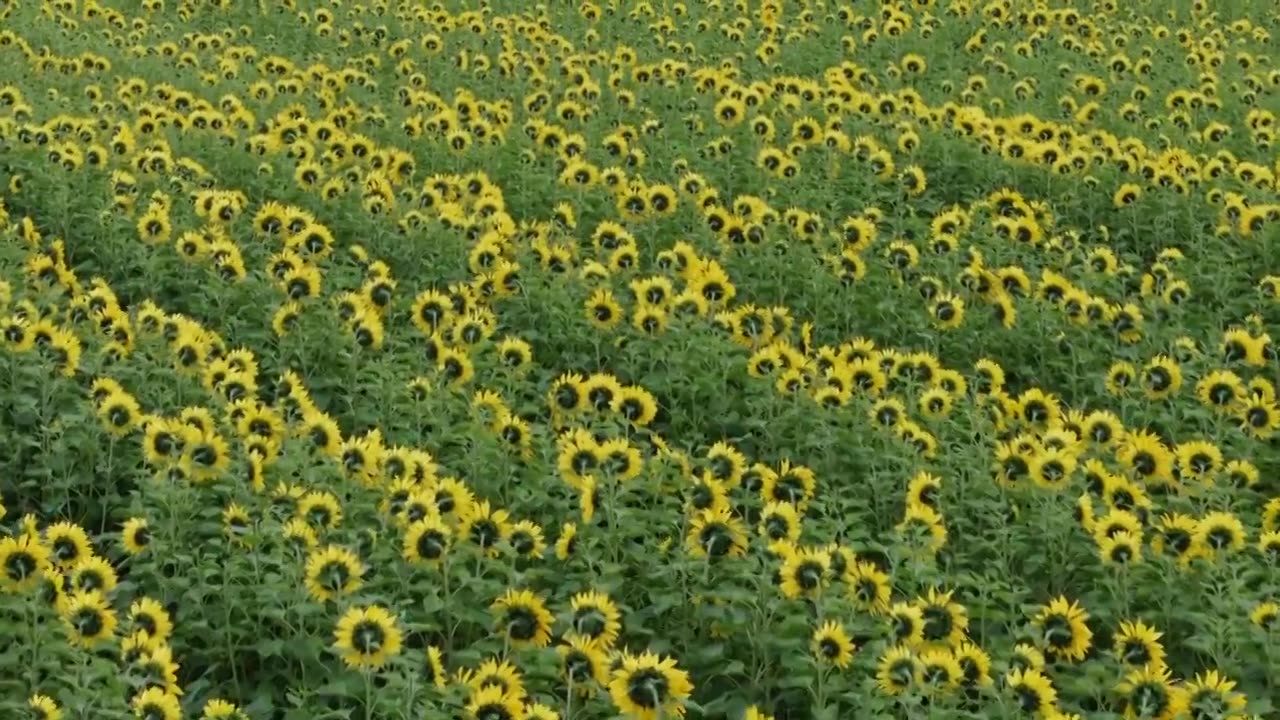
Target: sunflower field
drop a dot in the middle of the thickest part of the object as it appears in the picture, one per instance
(643, 359)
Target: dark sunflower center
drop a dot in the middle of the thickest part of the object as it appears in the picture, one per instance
(567, 397)
(205, 455)
(1057, 632)
(320, 515)
(632, 409)
(485, 533)
(716, 540)
(88, 621)
(90, 579)
(1144, 463)
(583, 461)
(590, 622)
(777, 527)
(808, 575)
(1015, 467)
(937, 623)
(1149, 699)
(522, 624)
(901, 673)
(1121, 553)
(702, 497)
(1029, 699)
(578, 667)
(829, 648)
(367, 637)
(789, 489)
(1136, 653)
(20, 565)
(431, 545)
(335, 574)
(1159, 379)
(1221, 394)
(1220, 537)
(492, 711)
(65, 549)
(647, 689)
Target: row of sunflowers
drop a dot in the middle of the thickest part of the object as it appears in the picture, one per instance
(753, 359)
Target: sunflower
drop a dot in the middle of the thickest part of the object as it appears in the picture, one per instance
(898, 670)
(427, 541)
(1198, 460)
(726, 464)
(1137, 645)
(23, 559)
(1266, 615)
(484, 526)
(367, 637)
(156, 667)
(1177, 535)
(805, 572)
(332, 572)
(795, 484)
(217, 709)
(567, 543)
(1120, 377)
(1146, 456)
(1220, 532)
(491, 703)
(945, 622)
(1212, 695)
(1149, 692)
(1221, 391)
(1259, 417)
(524, 618)
(780, 521)
(320, 509)
(868, 586)
(89, 617)
(1241, 474)
(433, 668)
(831, 645)
(923, 522)
(93, 573)
(43, 707)
(583, 662)
(940, 671)
(906, 623)
(1032, 691)
(1064, 629)
(975, 665)
(1026, 657)
(603, 310)
(1238, 345)
(1120, 548)
(527, 541)
(501, 674)
(156, 704)
(594, 616)
(1161, 377)
(947, 311)
(648, 687)
(68, 544)
(715, 533)
(1052, 469)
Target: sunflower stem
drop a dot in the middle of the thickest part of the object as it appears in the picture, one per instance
(568, 700)
(368, 695)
